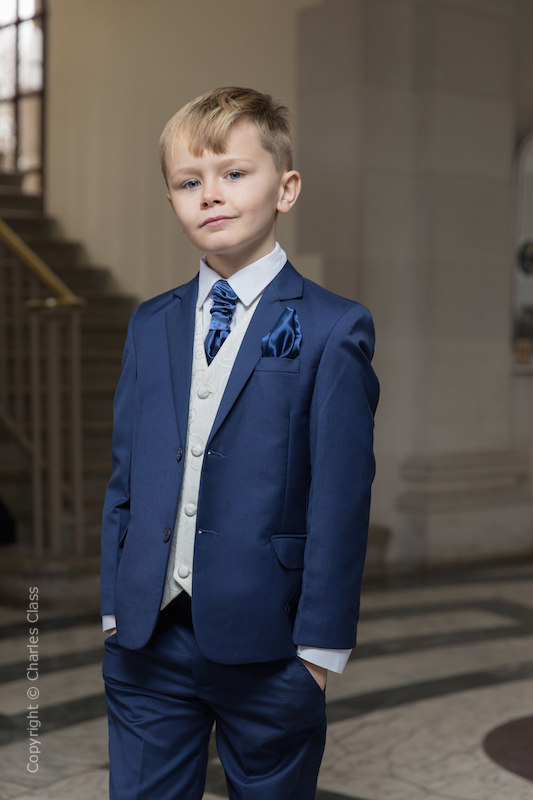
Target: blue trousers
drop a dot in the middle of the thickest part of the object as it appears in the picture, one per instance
(164, 699)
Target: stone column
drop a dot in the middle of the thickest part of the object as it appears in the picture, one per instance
(430, 170)
(465, 492)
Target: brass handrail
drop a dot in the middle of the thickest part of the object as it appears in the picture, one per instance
(63, 295)
(41, 393)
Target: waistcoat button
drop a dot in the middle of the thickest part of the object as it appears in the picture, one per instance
(183, 571)
(203, 392)
(190, 509)
(197, 450)
(167, 533)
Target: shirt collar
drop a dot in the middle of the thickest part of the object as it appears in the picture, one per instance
(247, 283)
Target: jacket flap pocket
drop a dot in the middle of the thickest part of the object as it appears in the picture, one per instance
(290, 549)
(275, 364)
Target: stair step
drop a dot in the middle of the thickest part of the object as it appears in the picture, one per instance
(112, 356)
(98, 406)
(17, 492)
(112, 313)
(96, 463)
(96, 302)
(111, 298)
(15, 489)
(101, 370)
(98, 452)
(101, 332)
(89, 283)
(14, 190)
(55, 252)
(10, 179)
(117, 305)
(98, 426)
(26, 222)
(81, 279)
(98, 467)
(88, 356)
(11, 197)
(13, 456)
(103, 388)
(94, 490)
(92, 528)
(16, 475)
(12, 472)
(110, 323)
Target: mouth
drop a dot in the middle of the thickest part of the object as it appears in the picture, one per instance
(214, 222)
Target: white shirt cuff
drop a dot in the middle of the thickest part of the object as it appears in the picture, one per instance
(108, 622)
(334, 660)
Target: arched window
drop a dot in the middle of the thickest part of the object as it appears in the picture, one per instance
(22, 24)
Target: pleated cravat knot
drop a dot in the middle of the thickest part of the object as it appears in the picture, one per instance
(224, 302)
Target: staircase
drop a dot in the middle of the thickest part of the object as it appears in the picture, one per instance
(104, 320)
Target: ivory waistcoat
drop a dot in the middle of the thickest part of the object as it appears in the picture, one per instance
(207, 387)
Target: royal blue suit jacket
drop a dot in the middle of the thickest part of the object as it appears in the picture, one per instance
(284, 496)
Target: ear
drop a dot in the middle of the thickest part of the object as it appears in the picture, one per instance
(290, 186)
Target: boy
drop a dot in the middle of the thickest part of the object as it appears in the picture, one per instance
(235, 521)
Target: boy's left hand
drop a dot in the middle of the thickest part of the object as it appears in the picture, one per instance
(320, 674)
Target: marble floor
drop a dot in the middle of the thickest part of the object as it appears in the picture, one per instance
(442, 677)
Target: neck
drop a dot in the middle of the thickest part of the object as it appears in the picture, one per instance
(227, 265)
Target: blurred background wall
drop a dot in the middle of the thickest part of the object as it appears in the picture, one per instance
(410, 116)
(116, 73)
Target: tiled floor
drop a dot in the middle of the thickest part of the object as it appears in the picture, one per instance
(443, 660)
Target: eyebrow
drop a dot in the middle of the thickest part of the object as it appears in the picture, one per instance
(230, 159)
(191, 170)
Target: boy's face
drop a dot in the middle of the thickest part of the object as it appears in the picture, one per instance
(227, 204)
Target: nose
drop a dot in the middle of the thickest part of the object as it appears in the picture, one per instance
(212, 194)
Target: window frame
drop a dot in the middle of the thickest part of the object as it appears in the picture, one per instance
(18, 96)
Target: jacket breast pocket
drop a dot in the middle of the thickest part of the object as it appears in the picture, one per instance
(274, 364)
(290, 549)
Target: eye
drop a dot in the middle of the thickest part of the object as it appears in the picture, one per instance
(234, 175)
(192, 184)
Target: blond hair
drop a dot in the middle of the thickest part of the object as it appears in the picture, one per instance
(206, 121)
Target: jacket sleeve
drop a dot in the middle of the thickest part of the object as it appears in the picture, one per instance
(342, 469)
(117, 500)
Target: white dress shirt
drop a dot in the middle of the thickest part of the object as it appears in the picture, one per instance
(248, 284)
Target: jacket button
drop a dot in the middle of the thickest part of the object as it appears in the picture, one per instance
(167, 533)
(179, 454)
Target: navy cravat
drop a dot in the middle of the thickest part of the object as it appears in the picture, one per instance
(224, 302)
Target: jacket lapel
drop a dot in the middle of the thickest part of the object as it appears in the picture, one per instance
(180, 338)
(287, 284)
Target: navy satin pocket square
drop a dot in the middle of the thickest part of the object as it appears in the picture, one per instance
(285, 338)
